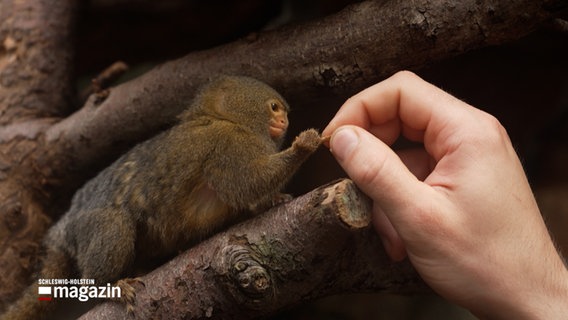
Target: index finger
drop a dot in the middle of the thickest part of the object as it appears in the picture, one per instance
(404, 103)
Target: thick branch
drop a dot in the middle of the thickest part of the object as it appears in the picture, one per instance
(35, 59)
(318, 244)
(35, 84)
(333, 57)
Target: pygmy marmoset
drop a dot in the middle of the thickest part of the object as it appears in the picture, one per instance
(222, 159)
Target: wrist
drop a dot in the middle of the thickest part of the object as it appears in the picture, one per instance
(554, 301)
(540, 292)
(545, 299)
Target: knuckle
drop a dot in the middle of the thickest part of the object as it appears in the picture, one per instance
(492, 134)
(495, 127)
(405, 75)
(351, 100)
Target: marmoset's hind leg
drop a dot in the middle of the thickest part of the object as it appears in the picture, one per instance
(107, 255)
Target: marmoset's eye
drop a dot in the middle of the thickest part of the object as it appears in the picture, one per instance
(274, 106)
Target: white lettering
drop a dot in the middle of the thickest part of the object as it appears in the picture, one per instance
(82, 293)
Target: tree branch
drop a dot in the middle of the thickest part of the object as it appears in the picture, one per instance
(333, 57)
(560, 25)
(316, 245)
(35, 59)
(35, 85)
(101, 82)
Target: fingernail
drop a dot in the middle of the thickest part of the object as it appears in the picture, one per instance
(343, 142)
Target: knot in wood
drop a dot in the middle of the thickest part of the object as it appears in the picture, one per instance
(254, 280)
(245, 276)
(250, 276)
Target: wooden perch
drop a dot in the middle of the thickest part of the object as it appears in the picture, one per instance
(316, 245)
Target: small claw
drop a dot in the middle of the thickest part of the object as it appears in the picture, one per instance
(128, 292)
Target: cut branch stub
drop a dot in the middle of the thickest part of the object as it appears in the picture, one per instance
(315, 245)
(352, 206)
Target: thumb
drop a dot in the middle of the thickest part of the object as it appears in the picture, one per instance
(377, 171)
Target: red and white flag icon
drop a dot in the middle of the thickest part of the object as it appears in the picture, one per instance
(44, 293)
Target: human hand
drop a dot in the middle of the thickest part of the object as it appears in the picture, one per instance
(460, 208)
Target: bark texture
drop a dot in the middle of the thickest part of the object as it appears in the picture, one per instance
(35, 89)
(316, 245)
(45, 153)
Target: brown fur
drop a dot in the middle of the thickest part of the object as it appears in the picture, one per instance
(173, 190)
